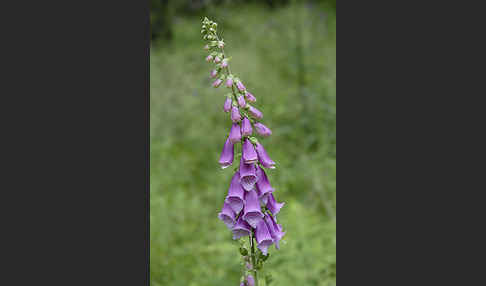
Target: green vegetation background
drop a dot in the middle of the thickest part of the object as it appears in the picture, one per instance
(287, 58)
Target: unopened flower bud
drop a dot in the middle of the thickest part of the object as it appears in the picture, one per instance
(217, 82)
(250, 281)
(240, 86)
(262, 129)
(255, 112)
(209, 58)
(229, 82)
(224, 63)
(246, 129)
(227, 104)
(206, 47)
(250, 97)
(220, 44)
(217, 59)
(241, 101)
(235, 114)
(214, 73)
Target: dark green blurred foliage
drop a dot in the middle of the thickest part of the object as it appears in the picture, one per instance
(163, 11)
(286, 56)
(161, 20)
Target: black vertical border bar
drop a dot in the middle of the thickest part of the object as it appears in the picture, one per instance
(147, 138)
(75, 144)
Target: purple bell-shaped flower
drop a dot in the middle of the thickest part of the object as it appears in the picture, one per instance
(252, 212)
(236, 195)
(241, 228)
(227, 155)
(227, 215)
(263, 237)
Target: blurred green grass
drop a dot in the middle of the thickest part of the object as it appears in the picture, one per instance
(189, 246)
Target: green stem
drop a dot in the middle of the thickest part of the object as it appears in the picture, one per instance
(253, 259)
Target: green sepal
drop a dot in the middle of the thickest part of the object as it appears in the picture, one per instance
(253, 140)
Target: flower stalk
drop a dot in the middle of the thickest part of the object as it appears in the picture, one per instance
(249, 208)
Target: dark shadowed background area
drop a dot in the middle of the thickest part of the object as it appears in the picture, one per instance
(285, 53)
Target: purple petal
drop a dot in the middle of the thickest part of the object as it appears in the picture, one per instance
(248, 177)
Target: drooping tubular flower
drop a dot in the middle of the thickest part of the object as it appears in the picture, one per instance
(227, 155)
(248, 154)
(275, 229)
(250, 207)
(263, 237)
(263, 157)
(241, 228)
(227, 215)
(252, 213)
(273, 206)
(262, 183)
(248, 177)
(236, 195)
(235, 133)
